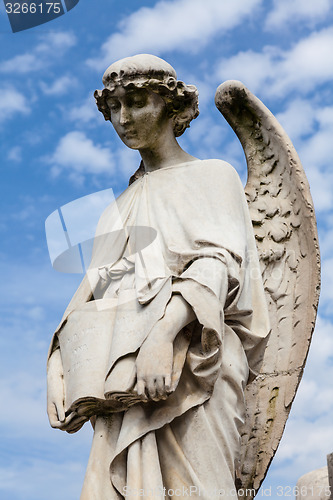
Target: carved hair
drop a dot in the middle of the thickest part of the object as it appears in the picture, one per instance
(155, 74)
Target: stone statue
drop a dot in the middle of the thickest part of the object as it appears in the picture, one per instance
(196, 312)
(314, 484)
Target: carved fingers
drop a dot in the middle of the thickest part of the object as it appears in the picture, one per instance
(154, 369)
(55, 390)
(56, 398)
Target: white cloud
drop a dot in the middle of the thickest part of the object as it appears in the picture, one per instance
(252, 68)
(12, 103)
(318, 149)
(292, 11)
(319, 362)
(85, 113)
(26, 214)
(36, 313)
(181, 25)
(310, 127)
(22, 63)
(26, 291)
(321, 185)
(326, 236)
(15, 154)
(303, 448)
(78, 154)
(275, 71)
(316, 152)
(128, 161)
(30, 390)
(50, 47)
(59, 86)
(212, 138)
(299, 118)
(56, 40)
(327, 273)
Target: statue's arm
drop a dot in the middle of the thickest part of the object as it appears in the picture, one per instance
(56, 397)
(55, 390)
(155, 358)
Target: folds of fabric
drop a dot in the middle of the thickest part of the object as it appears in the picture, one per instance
(197, 242)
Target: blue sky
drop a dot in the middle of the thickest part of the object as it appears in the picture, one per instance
(56, 148)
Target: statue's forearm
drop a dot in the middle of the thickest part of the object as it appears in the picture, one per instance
(177, 315)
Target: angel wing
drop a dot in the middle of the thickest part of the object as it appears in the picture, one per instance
(285, 229)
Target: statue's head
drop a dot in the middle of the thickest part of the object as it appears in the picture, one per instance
(146, 71)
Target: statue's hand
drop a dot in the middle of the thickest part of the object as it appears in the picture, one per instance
(154, 368)
(155, 359)
(56, 398)
(55, 390)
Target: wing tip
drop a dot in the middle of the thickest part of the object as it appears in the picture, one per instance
(228, 88)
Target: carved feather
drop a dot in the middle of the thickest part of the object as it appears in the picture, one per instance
(285, 229)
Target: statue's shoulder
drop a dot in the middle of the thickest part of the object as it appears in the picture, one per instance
(218, 170)
(217, 165)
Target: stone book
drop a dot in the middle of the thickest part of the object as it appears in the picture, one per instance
(85, 343)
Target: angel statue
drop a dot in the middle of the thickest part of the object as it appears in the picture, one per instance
(186, 340)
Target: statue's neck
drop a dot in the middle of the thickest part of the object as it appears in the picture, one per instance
(164, 155)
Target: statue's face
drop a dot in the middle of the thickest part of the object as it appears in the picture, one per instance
(139, 117)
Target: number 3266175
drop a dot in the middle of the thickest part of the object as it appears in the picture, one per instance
(33, 8)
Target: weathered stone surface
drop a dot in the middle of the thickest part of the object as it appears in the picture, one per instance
(330, 472)
(284, 225)
(314, 485)
(214, 300)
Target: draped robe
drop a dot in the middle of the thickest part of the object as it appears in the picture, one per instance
(187, 231)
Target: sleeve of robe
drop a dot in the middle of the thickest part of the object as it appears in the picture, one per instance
(207, 253)
(207, 241)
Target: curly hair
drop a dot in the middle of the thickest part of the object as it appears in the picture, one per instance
(152, 73)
